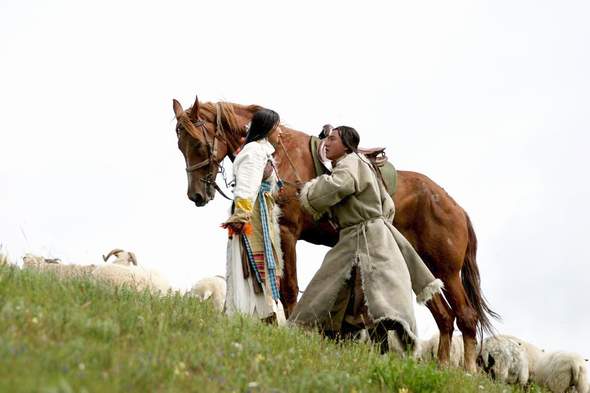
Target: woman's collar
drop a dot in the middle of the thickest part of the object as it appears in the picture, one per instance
(268, 147)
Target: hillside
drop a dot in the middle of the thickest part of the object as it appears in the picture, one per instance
(80, 336)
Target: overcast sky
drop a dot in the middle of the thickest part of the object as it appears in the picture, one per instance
(490, 99)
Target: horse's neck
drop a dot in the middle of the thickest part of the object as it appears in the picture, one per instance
(294, 156)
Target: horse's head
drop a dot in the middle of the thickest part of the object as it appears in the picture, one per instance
(206, 134)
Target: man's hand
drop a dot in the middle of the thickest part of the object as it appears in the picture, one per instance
(326, 129)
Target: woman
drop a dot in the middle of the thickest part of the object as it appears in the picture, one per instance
(366, 280)
(254, 257)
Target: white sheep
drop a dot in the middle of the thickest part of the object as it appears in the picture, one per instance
(124, 271)
(505, 359)
(4, 259)
(427, 350)
(3, 256)
(211, 287)
(559, 371)
(123, 257)
(532, 352)
(55, 266)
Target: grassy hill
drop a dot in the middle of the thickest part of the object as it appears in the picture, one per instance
(81, 336)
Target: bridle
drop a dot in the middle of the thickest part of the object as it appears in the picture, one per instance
(212, 159)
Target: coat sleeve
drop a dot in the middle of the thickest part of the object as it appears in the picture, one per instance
(249, 168)
(323, 192)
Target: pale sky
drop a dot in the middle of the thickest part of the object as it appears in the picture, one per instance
(490, 99)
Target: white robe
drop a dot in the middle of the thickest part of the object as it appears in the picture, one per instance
(240, 298)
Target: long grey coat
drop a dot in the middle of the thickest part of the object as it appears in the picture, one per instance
(389, 266)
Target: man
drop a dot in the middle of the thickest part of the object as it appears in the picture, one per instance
(366, 279)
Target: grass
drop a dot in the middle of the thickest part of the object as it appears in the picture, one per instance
(82, 336)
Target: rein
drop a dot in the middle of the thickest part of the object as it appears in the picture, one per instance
(209, 179)
(298, 181)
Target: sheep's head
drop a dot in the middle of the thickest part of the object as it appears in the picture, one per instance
(487, 362)
(30, 260)
(122, 257)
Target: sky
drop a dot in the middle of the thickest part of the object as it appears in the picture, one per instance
(488, 98)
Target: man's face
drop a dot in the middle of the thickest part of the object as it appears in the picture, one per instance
(334, 146)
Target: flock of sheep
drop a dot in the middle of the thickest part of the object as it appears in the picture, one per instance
(123, 270)
(505, 358)
(512, 360)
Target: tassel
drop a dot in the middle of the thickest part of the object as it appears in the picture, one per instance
(247, 229)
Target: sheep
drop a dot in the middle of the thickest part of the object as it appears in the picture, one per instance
(505, 359)
(211, 287)
(3, 259)
(122, 257)
(55, 266)
(532, 352)
(427, 350)
(3, 256)
(125, 271)
(559, 371)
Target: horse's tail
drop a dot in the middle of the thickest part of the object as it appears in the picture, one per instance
(472, 284)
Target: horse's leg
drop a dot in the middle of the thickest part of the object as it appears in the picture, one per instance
(466, 318)
(289, 286)
(444, 317)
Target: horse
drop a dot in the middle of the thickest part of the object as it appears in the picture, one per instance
(438, 228)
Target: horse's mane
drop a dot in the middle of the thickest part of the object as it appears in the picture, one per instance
(227, 111)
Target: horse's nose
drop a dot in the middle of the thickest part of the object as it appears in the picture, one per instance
(197, 198)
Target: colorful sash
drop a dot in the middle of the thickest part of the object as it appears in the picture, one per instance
(268, 252)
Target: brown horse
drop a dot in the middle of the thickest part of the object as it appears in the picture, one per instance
(438, 228)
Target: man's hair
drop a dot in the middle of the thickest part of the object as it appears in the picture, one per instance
(262, 123)
(350, 138)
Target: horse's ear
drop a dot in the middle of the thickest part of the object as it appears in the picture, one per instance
(194, 116)
(177, 108)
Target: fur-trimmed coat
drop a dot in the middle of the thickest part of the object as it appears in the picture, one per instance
(389, 266)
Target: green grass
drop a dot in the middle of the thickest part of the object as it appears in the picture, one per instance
(81, 336)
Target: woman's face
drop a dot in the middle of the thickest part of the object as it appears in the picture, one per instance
(334, 146)
(274, 135)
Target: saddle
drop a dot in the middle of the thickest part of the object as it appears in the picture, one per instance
(375, 154)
